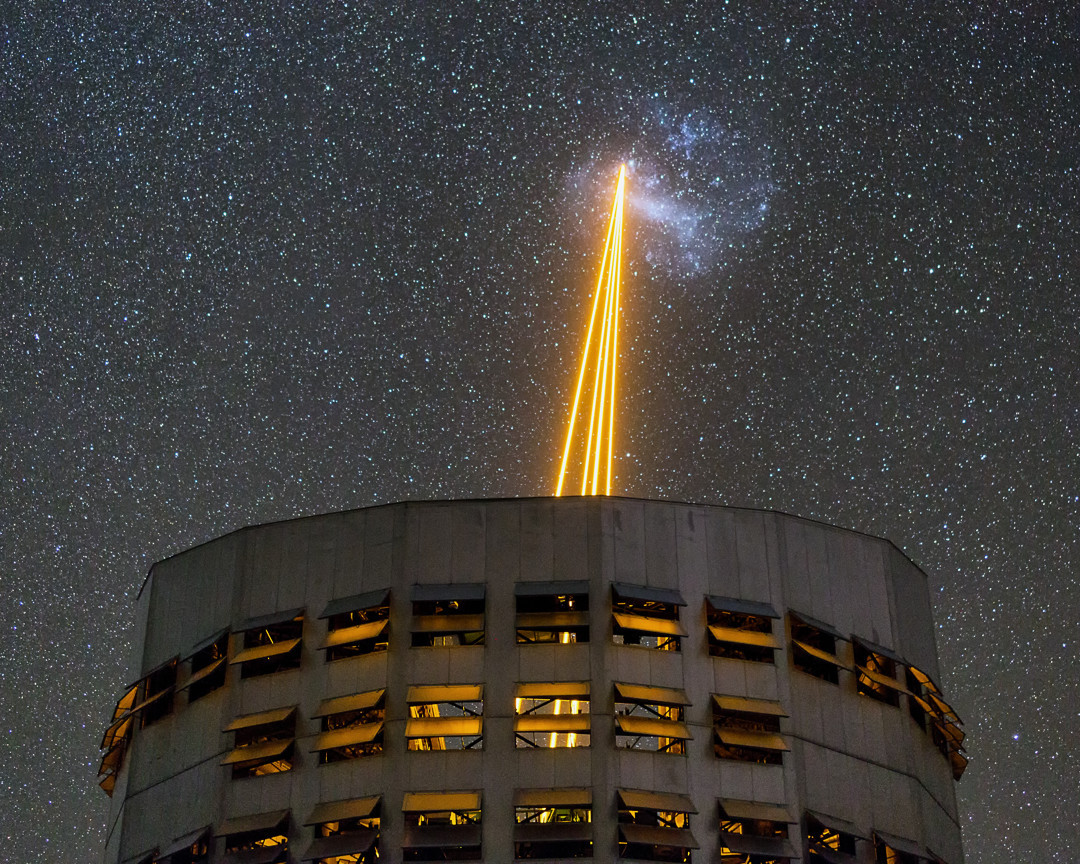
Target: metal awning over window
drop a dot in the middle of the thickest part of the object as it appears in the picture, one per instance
(354, 702)
(548, 589)
(271, 821)
(643, 624)
(751, 738)
(883, 680)
(205, 643)
(339, 811)
(900, 844)
(439, 802)
(748, 705)
(553, 723)
(540, 798)
(644, 799)
(261, 652)
(263, 855)
(646, 594)
(356, 633)
(546, 832)
(440, 836)
(835, 823)
(651, 835)
(737, 808)
(261, 718)
(428, 693)
(650, 727)
(262, 751)
(749, 844)
(444, 727)
(353, 843)
(205, 672)
(744, 637)
(818, 625)
(551, 620)
(183, 843)
(356, 602)
(447, 623)
(824, 656)
(432, 593)
(553, 690)
(350, 736)
(743, 607)
(647, 694)
(261, 622)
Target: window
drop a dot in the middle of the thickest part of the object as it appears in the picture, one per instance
(655, 826)
(648, 617)
(352, 726)
(939, 718)
(748, 730)
(193, 848)
(552, 715)
(890, 849)
(875, 672)
(552, 612)
(813, 648)
(741, 629)
(650, 718)
(441, 826)
(207, 667)
(831, 840)
(264, 743)
(269, 644)
(266, 833)
(445, 717)
(753, 831)
(552, 823)
(448, 615)
(346, 832)
(357, 625)
(116, 739)
(158, 689)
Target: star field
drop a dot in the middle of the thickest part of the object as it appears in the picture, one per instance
(259, 261)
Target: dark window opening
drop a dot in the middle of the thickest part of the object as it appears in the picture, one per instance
(814, 651)
(159, 687)
(352, 733)
(747, 735)
(654, 834)
(739, 635)
(264, 743)
(560, 618)
(648, 618)
(827, 842)
(441, 623)
(208, 668)
(348, 841)
(442, 835)
(357, 632)
(650, 718)
(270, 649)
(557, 831)
(875, 675)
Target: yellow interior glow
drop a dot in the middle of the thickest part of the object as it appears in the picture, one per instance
(603, 359)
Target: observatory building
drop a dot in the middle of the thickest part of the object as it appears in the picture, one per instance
(545, 679)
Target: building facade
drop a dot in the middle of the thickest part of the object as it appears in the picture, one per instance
(535, 679)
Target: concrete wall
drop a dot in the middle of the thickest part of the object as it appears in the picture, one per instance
(851, 757)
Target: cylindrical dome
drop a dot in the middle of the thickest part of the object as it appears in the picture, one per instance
(535, 679)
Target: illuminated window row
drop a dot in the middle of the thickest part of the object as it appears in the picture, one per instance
(546, 715)
(548, 824)
(880, 675)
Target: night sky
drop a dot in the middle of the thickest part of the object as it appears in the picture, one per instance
(259, 262)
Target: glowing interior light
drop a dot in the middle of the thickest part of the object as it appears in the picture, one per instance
(602, 359)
